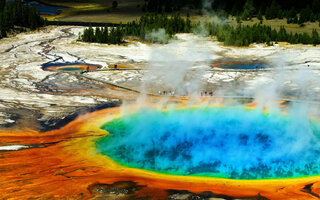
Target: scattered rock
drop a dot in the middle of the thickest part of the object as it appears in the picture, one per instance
(206, 195)
(123, 190)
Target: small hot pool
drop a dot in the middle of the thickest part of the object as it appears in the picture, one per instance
(70, 66)
(232, 143)
(242, 65)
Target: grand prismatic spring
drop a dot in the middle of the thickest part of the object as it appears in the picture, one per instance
(214, 142)
(234, 150)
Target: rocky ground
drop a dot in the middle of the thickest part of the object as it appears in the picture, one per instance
(42, 100)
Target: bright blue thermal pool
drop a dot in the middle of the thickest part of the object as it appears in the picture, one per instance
(233, 143)
(245, 66)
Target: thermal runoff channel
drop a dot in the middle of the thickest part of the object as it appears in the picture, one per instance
(236, 143)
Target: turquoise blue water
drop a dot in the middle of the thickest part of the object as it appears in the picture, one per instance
(246, 66)
(218, 142)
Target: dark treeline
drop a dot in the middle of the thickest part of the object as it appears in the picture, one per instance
(236, 36)
(246, 35)
(161, 6)
(105, 35)
(138, 29)
(17, 16)
(150, 22)
(236, 6)
(233, 6)
(295, 11)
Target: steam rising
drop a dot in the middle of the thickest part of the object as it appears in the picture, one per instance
(175, 67)
(158, 36)
(225, 142)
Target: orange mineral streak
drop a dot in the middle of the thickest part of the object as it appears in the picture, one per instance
(117, 66)
(69, 164)
(75, 66)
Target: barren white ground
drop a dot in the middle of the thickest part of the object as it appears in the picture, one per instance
(183, 65)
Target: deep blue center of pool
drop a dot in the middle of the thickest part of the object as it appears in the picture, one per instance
(217, 142)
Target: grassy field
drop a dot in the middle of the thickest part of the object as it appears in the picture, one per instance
(97, 11)
(128, 10)
(276, 23)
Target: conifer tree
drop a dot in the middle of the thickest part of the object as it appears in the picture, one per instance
(248, 10)
(315, 37)
(2, 5)
(17, 13)
(273, 11)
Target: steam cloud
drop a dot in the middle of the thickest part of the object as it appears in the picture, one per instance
(172, 67)
(229, 142)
